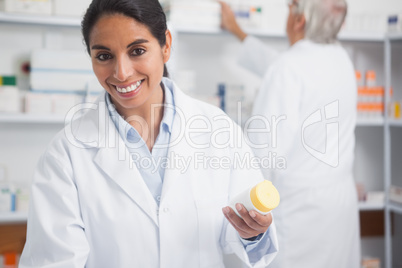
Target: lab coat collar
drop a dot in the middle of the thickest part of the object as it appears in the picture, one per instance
(186, 111)
(95, 129)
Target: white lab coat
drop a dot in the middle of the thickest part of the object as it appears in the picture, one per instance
(314, 86)
(91, 208)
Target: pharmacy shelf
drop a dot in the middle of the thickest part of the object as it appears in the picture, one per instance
(395, 207)
(367, 206)
(369, 122)
(76, 22)
(395, 123)
(27, 118)
(395, 36)
(217, 31)
(362, 36)
(343, 36)
(13, 217)
(40, 19)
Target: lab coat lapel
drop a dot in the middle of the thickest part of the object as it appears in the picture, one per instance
(114, 159)
(176, 147)
(125, 174)
(186, 108)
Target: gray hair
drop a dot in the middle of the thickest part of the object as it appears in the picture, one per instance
(324, 18)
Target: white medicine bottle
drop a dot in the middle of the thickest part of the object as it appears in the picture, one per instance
(262, 198)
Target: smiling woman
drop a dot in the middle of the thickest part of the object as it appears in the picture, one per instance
(101, 197)
(128, 66)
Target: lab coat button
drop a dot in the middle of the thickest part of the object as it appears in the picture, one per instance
(165, 210)
(158, 198)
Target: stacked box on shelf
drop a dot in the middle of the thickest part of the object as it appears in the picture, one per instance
(194, 14)
(42, 7)
(59, 80)
(370, 102)
(72, 8)
(9, 95)
(370, 97)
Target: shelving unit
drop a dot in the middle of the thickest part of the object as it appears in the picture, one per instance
(13, 217)
(389, 205)
(31, 119)
(28, 19)
(18, 217)
(76, 22)
(366, 206)
(215, 31)
(395, 207)
(370, 122)
(395, 123)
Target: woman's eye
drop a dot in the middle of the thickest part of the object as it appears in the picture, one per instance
(138, 51)
(103, 57)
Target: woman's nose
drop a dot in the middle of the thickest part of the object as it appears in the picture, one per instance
(123, 69)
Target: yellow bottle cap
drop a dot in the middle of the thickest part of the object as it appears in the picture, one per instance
(264, 196)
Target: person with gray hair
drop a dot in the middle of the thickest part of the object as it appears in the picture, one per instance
(305, 116)
(324, 18)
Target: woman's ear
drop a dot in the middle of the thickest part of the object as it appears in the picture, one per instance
(300, 23)
(167, 47)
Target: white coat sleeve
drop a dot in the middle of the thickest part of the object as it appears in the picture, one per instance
(255, 56)
(55, 233)
(276, 118)
(246, 173)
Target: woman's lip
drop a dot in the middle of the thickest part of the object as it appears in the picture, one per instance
(129, 94)
(127, 85)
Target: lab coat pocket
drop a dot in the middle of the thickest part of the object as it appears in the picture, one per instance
(210, 221)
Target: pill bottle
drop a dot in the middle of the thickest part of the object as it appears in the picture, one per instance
(359, 79)
(10, 260)
(397, 110)
(262, 198)
(370, 79)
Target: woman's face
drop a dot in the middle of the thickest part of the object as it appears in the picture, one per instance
(128, 62)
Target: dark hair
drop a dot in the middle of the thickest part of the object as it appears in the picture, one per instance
(147, 12)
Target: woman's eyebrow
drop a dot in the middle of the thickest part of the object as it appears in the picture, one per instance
(137, 42)
(100, 47)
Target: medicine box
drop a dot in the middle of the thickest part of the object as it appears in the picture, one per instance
(42, 7)
(38, 103)
(72, 8)
(368, 262)
(10, 101)
(395, 194)
(67, 71)
(196, 14)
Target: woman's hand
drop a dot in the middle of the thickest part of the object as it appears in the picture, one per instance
(229, 22)
(252, 224)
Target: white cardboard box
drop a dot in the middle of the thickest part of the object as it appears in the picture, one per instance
(395, 194)
(42, 7)
(38, 103)
(62, 103)
(10, 99)
(56, 71)
(73, 8)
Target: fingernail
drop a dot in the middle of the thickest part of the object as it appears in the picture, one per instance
(252, 214)
(238, 207)
(225, 210)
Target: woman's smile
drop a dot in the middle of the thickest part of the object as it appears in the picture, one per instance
(130, 90)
